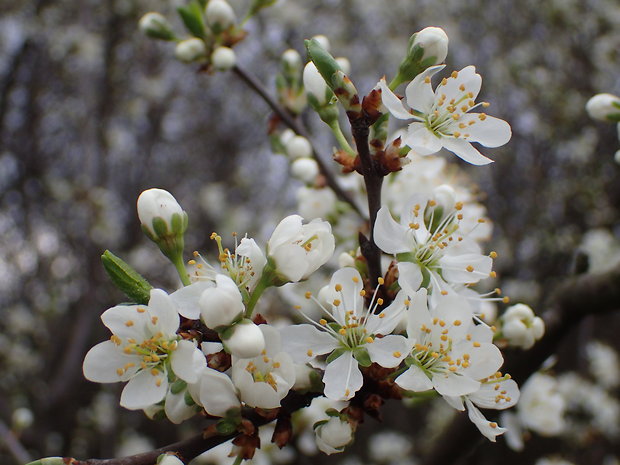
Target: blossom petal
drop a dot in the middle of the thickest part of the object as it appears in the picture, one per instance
(127, 321)
(389, 235)
(465, 268)
(304, 342)
(464, 150)
(468, 78)
(414, 379)
(388, 351)
(392, 102)
(162, 307)
(385, 322)
(342, 378)
(102, 362)
(143, 390)
(451, 384)
(177, 409)
(419, 93)
(287, 228)
(488, 131)
(409, 277)
(187, 361)
(186, 299)
(217, 392)
(485, 359)
(491, 396)
(490, 430)
(422, 140)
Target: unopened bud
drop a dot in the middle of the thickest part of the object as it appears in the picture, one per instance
(333, 435)
(220, 14)
(168, 459)
(221, 305)
(155, 25)
(604, 107)
(346, 259)
(298, 147)
(316, 87)
(190, 50)
(291, 59)
(323, 41)
(245, 340)
(434, 43)
(223, 58)
(305, 169)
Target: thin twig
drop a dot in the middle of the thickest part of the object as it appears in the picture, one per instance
(17, 450)
(299, 129)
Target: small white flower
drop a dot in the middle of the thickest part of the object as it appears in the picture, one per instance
(442, 117)
(223, 58)
(263, 381)
(297, 249)
(315, 203)
(541, 407)
(189, 50)
(430, 245)
(601, 106)
(143, 348)
(521, 327)
(333, 435)
(350, 338)
(449, 353)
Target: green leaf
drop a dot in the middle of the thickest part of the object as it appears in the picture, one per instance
(128, 280)
(192, 18)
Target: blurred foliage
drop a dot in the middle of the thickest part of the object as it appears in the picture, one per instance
(91, 113)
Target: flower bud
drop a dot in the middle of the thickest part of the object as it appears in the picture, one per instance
(521, 327)
(315, 86)
(298, 147)
(323, 41)
(333, 435)
(223, 58)
(220, 14)
(221, 305)
(434, 43)
(345, 64)
(155, 25)
(346, 259)
(160, 214)
(305, 169)
(291, 59)
(190, 50)
(245, 340)
(604, 107)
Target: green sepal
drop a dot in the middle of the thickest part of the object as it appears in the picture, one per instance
(177, 386)
(128, 280)
(362, 356)
(613, 117)
(189, 401)
(332, 412)
(225, 427)
(191, 15)
(161, 34)
(335, 354)
(178, 223)
(159, 415)
(160, 227)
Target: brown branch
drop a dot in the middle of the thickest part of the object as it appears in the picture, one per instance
(373, 178)
(190, 448)
(299, 129)
(573, 300)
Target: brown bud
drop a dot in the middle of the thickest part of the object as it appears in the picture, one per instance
(247, 445)
(283, 431)
(349, 163)
(372, 105)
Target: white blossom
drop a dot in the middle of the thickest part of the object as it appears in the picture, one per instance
(223, 58)
(521, 327)
(442, 117)
(189, 50)
(157, 204)
(220, 14)
(143, 348)
(297, 249)
(333, 435)
(245, 340)
(601, 106)
(221, 305)
(434, 42)
(263, 381)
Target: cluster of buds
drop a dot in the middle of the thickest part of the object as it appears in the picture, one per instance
(521, 327)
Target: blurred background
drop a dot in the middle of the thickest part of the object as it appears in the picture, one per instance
(92, 113)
